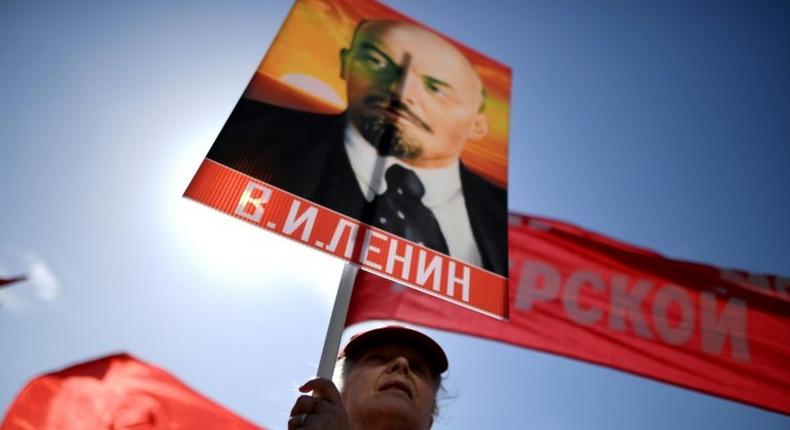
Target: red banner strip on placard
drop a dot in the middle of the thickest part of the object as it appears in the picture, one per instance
(374, 250)
(582, 295)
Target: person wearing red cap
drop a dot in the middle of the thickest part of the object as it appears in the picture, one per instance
(390, 377)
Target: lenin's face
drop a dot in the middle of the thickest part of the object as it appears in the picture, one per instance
(411, 93)
(390, 384)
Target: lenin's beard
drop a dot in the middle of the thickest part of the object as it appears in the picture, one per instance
(381, 131)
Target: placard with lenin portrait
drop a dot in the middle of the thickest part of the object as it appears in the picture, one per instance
(366, 117)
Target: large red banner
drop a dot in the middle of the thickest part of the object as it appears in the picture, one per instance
(116, 392)
(582, 295)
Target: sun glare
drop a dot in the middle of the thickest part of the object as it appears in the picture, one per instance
(243, 255)
(231, 251)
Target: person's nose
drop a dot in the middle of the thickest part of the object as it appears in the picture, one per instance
(399, 364)
(406, 86)
(410, 87)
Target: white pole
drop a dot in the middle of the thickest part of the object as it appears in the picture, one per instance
(334, 333)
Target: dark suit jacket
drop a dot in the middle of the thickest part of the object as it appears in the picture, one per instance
(303, 153)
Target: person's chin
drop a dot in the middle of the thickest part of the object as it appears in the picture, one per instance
(394, 406)
(394, 399)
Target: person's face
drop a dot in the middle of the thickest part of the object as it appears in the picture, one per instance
(391, 386)
(412, 94)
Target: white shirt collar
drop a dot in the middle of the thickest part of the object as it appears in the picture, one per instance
(441, 184)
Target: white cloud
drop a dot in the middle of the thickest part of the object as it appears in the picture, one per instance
(41, 283)
(47, 286)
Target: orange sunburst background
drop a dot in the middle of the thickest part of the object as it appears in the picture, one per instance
(301, 71)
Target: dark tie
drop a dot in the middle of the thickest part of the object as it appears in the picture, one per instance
(400, 211)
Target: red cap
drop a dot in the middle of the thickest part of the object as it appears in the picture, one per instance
(399, 335)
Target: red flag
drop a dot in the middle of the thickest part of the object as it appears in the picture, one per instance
(115, 392)
(582, 295)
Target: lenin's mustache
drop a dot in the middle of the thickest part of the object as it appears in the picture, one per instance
(394, 105)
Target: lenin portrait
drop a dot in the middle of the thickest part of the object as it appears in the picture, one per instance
(392, 157)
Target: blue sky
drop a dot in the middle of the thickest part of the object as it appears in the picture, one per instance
(664, 124)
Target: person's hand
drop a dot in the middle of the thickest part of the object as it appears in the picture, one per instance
(323, 410)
